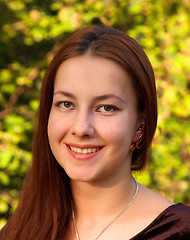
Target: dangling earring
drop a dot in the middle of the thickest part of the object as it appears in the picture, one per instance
(139, 143)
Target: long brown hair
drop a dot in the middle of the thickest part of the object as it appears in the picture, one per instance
(44, 209)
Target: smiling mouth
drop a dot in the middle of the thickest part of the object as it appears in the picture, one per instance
(84, 150)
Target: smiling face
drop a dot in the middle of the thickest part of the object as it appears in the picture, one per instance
(93, 119)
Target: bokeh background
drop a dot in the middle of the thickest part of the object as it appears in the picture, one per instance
(31, 31)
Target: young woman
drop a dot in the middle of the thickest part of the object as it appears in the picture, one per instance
(96, 121)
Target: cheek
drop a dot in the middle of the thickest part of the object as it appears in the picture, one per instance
(112, 131)
(56, 129)
(120, 131)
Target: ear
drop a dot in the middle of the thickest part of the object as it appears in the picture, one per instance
(140, 127)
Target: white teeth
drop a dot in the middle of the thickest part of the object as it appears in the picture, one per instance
(94, 150)
(89, 150)
(84, 150)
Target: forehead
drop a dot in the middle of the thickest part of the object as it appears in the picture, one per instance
(93, 75)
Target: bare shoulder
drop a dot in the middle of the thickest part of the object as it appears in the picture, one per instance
(147, 206)
(150, 203)
(148, 194)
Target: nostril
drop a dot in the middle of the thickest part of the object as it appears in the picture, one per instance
(81, 135)
(86, 135)
(83, 132)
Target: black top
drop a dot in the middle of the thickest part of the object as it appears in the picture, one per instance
(172, 224)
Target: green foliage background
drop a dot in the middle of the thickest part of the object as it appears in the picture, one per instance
(31, 31)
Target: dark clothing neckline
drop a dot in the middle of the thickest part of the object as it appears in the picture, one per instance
(171, 223)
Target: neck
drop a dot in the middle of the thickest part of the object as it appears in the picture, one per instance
(92, 200)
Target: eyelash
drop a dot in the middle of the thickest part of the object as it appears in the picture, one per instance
(72, 107)
(113, 108)
(59, 104)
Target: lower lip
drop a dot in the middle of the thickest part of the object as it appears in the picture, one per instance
(80, 156)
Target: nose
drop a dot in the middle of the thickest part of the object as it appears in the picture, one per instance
(82, 126)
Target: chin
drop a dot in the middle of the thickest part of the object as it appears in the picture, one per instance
(81, 177)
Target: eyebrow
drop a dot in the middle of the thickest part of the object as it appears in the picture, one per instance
(70, 95)
(108, 96)
(98, 98)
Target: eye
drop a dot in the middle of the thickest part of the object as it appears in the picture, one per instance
(66, 105)
(107, 109)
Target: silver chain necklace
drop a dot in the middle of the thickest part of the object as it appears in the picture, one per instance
(115, 218)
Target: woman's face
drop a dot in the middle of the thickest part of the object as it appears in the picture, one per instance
(93, 119)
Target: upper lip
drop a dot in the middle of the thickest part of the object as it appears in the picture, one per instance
(83, 146)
